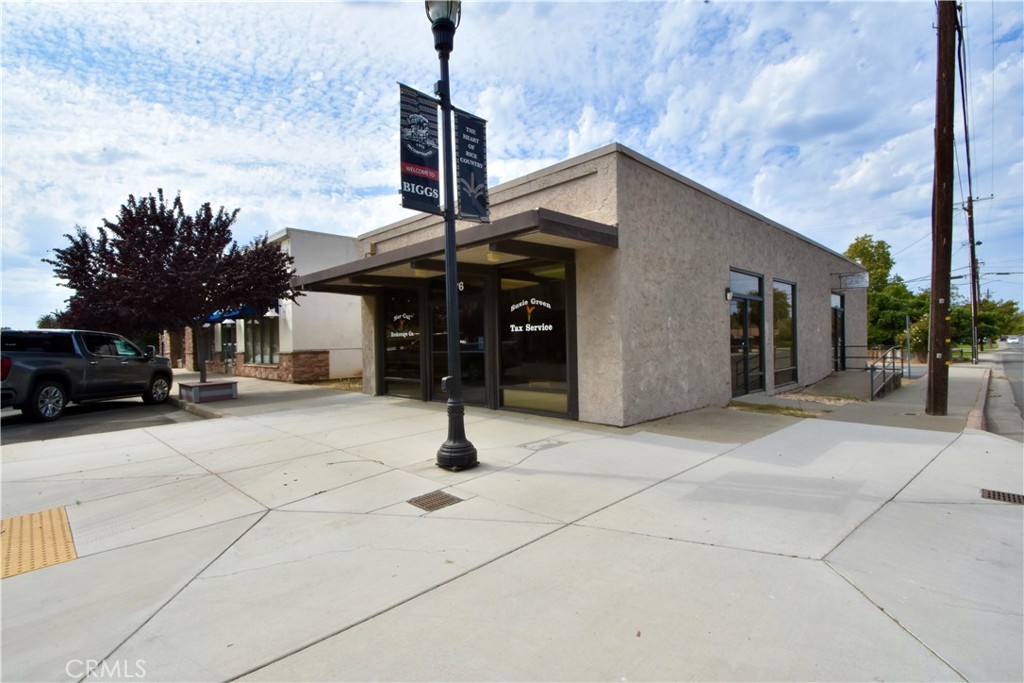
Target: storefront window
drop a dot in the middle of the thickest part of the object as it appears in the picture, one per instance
(838, 332)
(532, 324)
(471, 339)
(208, 338)
(744, 284)
(262, 341)
(227, 342)
(402, 345)
(784, 318)
(746, 311)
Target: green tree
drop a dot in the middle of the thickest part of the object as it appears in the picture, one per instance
(49, 321)
(875, 256)
(158, 267)
(890, 301)
(918, 338)
(996, 318)
(888, 308)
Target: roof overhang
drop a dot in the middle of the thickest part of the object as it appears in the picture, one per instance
(538, 233)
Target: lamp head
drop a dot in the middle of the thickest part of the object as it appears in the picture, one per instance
(444, 10)
(444, 17)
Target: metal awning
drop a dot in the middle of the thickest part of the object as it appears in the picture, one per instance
(538, 233)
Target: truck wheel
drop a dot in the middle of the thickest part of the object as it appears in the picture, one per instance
(158, 391)
(46, 402)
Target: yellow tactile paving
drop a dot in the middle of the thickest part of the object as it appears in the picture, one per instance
(36, 540)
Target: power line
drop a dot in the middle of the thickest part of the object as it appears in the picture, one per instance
(961, 58)
(922, 237)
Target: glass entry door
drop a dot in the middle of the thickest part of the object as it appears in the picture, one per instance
(517, 338)
(746, 346)
(403, 345)
(472, 303)
(534, 334)
(838, 334)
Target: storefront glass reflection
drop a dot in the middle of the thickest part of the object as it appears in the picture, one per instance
(402, 343)
(471, 339)
(746, 311)
(532, 329)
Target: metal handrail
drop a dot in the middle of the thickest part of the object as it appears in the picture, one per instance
(887, 372)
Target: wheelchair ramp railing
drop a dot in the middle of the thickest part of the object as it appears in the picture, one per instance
(887, 373)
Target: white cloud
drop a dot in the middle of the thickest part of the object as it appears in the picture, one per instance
(591, 132)
(816, 115)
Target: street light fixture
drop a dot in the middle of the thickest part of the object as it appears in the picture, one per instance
(456, 453)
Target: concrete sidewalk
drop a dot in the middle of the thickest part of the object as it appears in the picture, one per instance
(278, 543)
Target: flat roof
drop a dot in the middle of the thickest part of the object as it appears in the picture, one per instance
(538, 233)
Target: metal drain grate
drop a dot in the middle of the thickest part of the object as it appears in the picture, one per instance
(434, 501)
(1003, 496)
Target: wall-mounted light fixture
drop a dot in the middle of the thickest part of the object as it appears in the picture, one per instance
(728, 294)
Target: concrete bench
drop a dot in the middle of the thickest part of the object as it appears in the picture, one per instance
(204, 392)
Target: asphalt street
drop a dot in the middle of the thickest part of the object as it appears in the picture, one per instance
(1003, 411)
(90, 418)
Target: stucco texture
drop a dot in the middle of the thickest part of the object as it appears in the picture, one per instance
(654, 313)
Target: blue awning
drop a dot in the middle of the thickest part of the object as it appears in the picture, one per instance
(245, 313)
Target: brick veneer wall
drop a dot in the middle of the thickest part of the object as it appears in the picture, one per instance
(300, 366)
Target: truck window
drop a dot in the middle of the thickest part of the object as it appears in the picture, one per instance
(126, 348)
(99, 344)
(37, 343)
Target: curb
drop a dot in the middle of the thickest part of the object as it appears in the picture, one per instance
(976, 417)
(193, 408)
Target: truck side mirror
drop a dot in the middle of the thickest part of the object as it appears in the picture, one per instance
(150, 352)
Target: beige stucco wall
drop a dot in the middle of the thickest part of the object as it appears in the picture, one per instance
(677, 244)
(369, 313)
(652, 318)
(582, 187)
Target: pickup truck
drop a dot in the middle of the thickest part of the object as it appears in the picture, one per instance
(42, 371)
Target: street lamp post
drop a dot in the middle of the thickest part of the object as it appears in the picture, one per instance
(456, 453)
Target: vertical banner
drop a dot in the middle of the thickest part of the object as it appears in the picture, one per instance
(471, 166)
(421, 177)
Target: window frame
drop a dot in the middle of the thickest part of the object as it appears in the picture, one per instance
(789, 374)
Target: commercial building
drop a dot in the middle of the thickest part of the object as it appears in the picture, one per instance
(317, 337)
(607, 288)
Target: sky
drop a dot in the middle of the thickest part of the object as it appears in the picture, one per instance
(819, 116)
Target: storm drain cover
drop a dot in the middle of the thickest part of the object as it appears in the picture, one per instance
(541, 445)
(1003, 496)
(434, 501)
(36, 540)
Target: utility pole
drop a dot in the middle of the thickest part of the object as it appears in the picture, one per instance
(975, 275)
(974, 281)
(937, 399)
